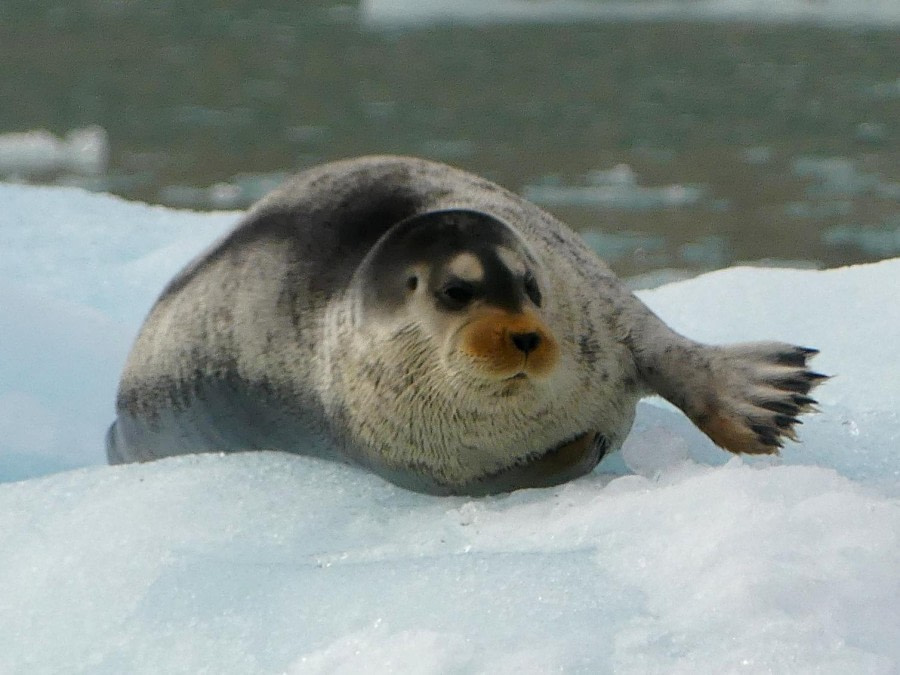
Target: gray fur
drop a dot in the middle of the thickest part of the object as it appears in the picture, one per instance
(267, 341)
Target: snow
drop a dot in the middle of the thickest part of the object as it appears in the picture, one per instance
(670, 558)
(386, 13)
(77, 274)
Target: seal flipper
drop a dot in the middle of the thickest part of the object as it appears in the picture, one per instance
(757, 390)
(745, 397)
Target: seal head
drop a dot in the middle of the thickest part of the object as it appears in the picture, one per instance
(470, 283)
(449, 335)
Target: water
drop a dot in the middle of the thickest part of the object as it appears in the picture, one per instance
(686, 145)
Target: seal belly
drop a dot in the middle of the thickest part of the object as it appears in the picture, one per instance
(566, 462)
(215, 416)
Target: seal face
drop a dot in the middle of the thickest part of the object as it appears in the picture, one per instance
(465, 279)
(432, 326)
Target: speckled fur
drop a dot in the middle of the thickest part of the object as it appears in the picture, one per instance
(259, 343)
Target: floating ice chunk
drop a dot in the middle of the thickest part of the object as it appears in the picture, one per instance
(617, 245)
(819, 210)
(871, 132)
(239, 192)
(87, 150)
(37, 152)
(225, 195)
(709, 251)
(620, 174)
(757, 156)
(835, 177)
(879, 13)
(30, 152)
(615, 188)
(876, 241)
(885, 90)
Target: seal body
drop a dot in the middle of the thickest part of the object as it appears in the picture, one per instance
(432, 326)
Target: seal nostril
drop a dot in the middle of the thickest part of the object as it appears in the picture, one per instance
(526, 342)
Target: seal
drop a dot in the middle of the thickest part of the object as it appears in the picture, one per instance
(432, 326)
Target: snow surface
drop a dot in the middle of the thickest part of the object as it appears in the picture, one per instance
(670, 558)
(876, 13)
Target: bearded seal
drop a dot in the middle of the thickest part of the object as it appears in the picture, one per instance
(433, 327)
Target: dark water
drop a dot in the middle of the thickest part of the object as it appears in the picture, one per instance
(757, 142)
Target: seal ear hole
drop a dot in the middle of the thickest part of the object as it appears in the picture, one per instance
(412, 282)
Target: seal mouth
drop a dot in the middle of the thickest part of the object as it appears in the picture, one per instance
(515, 385)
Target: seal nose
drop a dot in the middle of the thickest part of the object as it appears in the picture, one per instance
(526, 342)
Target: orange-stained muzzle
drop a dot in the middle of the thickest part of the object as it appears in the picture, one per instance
(504, 344)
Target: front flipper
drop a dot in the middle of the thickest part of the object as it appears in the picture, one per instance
(745, 397)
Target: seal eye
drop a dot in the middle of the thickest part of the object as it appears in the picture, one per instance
(531, 288)
(412, 282)
(456, 294)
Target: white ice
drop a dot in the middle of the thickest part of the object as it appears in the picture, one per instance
(387, 13)
(670, 558)
(34, 152)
